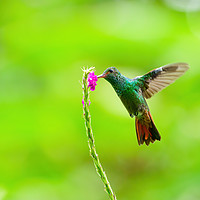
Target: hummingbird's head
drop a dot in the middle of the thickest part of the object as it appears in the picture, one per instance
(110, 74)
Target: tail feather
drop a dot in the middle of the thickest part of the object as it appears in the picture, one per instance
(146, 129)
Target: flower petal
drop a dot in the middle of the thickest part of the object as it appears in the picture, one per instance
(92, 79)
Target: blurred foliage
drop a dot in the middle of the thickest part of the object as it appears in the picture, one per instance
(43, 146)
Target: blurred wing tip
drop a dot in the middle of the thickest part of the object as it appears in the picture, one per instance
(181, 66)
(184, 66)
(174, 70)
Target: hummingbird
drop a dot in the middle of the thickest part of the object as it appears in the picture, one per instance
(134, 92)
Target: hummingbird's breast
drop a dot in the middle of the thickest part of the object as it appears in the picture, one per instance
(130, 94)
(132, 98)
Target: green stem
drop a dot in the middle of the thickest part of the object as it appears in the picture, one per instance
(91, 144)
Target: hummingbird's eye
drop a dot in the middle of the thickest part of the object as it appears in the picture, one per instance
(111, 70)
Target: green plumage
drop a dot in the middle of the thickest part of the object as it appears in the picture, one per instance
(133, 92)
(129, 91)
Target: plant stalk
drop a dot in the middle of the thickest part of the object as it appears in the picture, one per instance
(91, 142)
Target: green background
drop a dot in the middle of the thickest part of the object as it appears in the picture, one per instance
(43, 144)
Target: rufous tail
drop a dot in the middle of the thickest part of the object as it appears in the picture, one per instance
(146, 129)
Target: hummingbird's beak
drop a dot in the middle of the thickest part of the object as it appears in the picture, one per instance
(101, 76)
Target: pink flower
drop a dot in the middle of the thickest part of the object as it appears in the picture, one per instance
(92, 79)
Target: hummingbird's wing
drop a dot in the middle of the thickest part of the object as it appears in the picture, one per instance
(156, 80)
